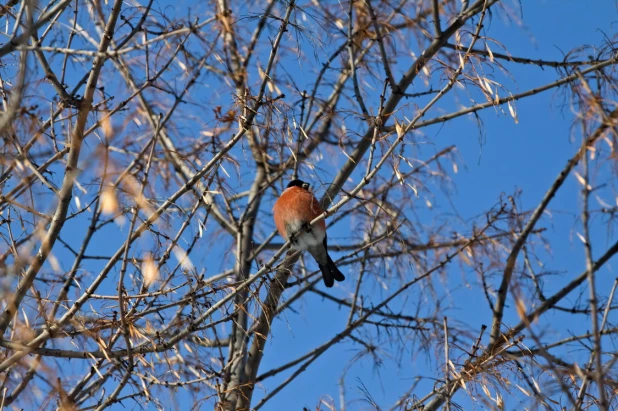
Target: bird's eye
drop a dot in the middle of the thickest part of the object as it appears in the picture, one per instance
(306, 186)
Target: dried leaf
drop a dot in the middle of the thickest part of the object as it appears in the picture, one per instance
(579, 178)
(413, 189)
(486, 390)
(399, 176)
(465, 258)
(149, 270)
(488, 86)
(536, 385)
(53, 261)
(224, 170)
(523, 390)
(106, 124)
(521, 308)
(601, 202)
(26, 318)
(609, 143)
(109, 202)
(399, 129)
(183, 258)
(458, 38)
(579, 371)
(182, 65)
(481, 83)
(512, 111)
(593, 151)
(491, 55)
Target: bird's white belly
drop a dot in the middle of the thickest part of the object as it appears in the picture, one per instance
(305, 239)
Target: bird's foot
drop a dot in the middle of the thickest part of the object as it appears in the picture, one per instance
(308, 227)
(293, 239)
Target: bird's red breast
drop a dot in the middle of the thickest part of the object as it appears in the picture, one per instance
(295, 207)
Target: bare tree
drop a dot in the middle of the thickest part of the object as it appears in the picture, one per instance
(145, 145)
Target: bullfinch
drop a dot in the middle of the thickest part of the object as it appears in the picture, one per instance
(293, 211)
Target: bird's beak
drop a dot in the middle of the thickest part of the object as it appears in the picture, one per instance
(306, 186)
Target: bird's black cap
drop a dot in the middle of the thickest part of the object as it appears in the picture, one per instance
(298, 183)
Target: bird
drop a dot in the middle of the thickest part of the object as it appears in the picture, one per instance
(292, 212)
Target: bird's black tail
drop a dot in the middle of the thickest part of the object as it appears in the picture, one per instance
(330, 273)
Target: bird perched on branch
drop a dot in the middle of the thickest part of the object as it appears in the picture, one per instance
(293, 211)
